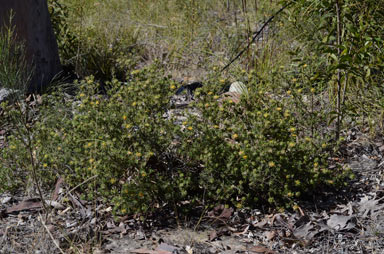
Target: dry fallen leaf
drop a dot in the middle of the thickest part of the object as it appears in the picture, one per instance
(270, 235)
(145, 251)
(212, 236)
(260, 250)
(340, 222)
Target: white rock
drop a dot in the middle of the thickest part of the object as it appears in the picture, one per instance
(238, 87)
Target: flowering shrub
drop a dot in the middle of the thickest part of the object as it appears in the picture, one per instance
(122, 148)
(256, 151)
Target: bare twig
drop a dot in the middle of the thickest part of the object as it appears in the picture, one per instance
(50, 235)
(77, 186)
(338, 106)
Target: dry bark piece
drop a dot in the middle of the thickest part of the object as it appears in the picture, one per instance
(25, 205)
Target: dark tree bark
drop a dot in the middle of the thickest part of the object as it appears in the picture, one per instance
(33, 27)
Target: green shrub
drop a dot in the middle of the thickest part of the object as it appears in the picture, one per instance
(121, 148)
(117, 147)
(257, 152)
(67, 40)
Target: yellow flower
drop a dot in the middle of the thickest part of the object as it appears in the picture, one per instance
(91, 160)
(89, 144)
(292, 129)
(294, 80)
(216, 97)
(138, 154)
(134, 103)
(312, 90)
(113, 180)
(271, 164)
(266, 115)
(173, 87)
(278, 109)
(190, 128)
(305, 65)
(216, 126)
(124, 117)
(143, 174)
(316, 164)
(134, 72)
(291, 144)
(210, 93)
(97, 102)
(82, 95)
(245, 157)
(323, 145)
(297, 182)
(289, 92)
(127, 126)
(222, 81)
(308, 139)
(45, 165)
(123, 210)
(299, 90)
(235, 136)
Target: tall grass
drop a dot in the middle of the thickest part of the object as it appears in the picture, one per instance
(15, 71)
(188, 37)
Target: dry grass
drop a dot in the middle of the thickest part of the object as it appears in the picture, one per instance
(188, 37)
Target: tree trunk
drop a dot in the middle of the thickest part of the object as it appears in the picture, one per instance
(33, 26)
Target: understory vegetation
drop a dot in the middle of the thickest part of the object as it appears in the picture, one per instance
(316, 71)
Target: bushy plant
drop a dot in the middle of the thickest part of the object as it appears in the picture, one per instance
(257, 152)
(342, 43)
(122, 148)
(117, 146)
